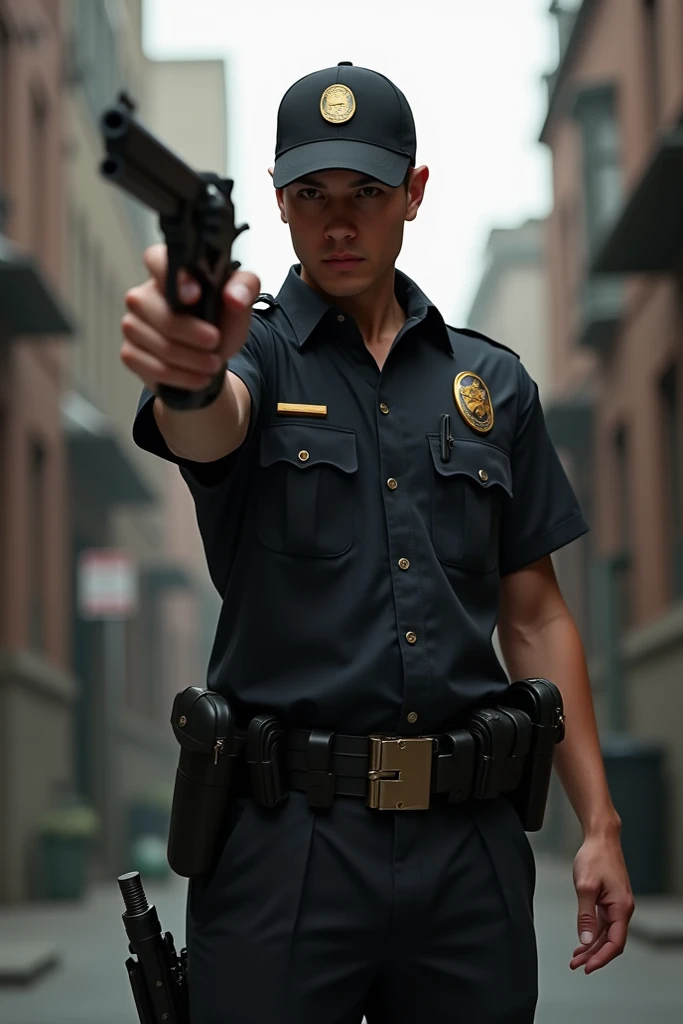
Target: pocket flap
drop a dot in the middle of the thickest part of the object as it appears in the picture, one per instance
(481, 462)
(304, 445)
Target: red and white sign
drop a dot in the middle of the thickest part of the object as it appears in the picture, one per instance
(107, 584)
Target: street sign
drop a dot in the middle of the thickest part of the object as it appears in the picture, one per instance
(107, 584)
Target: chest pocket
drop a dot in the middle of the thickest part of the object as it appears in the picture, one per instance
(305, 503)
(468, 494)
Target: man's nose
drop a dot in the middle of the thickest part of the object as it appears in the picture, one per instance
(340, 229)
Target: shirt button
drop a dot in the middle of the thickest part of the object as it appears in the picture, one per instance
(411, 637)
(412, 717)
(383, 407)
(392, 484)
(403, 563)
(304, 456)
(483, 475)
(341, 318)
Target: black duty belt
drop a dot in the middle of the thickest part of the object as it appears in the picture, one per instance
(401, 773)
(390, 773)
(507, 748)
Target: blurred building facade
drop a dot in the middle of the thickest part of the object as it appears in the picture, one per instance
(121, 496)
(37, 686)
(86, 703)
(511, 300)
(114, 501)
(614, 127)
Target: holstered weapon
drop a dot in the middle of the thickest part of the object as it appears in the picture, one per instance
(541, 700)
(203, 725)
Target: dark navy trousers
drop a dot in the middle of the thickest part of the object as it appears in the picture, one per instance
(323, 917)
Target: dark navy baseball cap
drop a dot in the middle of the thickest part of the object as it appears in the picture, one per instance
(345, 118)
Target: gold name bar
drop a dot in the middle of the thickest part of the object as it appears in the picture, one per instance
(292, 409)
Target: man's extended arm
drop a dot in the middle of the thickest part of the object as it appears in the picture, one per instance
(161, 346)
(204, 435)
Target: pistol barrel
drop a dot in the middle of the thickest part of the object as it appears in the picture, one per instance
(146, 158)
(141, 186)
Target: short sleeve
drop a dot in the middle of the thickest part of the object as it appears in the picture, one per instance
(543, 513)
(251, 366)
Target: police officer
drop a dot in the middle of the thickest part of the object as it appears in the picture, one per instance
(375, 491)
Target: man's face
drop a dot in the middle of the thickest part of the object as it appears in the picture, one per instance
(347, 228)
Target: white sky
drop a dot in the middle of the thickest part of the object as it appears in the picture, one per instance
(471, 72)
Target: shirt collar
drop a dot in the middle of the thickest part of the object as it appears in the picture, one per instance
(305, 308)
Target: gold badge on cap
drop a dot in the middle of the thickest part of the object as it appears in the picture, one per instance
(473, 401)
(337, 104)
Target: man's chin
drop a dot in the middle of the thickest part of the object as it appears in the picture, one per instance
(346, 282)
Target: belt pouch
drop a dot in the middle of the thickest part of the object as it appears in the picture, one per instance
(541, 700)
(495, 737)
(319, 777)
(265, 757)
(460, 747)
(514, 764)
(203, 725)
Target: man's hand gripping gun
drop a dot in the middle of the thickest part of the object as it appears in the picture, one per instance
(196, 217)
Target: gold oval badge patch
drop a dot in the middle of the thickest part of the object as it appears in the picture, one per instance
(337, 104)
(473, 401)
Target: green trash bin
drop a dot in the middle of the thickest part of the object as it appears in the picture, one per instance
(635, 775)
(65, 860)
(65, 836)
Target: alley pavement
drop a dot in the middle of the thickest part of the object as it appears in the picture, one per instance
(90, 984)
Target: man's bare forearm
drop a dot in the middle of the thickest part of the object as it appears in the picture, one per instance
(204, 435)
(555, 651)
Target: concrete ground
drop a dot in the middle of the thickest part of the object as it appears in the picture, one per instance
(90, 984)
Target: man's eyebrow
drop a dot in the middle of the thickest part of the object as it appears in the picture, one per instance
(315, 183)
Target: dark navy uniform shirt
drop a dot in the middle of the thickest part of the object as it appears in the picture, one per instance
(360, 571)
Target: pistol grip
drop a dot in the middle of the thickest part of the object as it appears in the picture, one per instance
(197, 252)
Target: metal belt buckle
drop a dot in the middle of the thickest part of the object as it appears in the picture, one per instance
(400, 773)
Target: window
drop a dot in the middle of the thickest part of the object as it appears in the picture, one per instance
(36, 545)
(671, 447)
(622, 562)
(39, 168)
(98, 313)
(571, 256)
(564, 252)
(85, 307)
(72, 258)
(596, 111)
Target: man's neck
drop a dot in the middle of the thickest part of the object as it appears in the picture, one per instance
(377, 312)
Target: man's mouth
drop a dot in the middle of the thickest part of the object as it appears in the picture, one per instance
(343, 260)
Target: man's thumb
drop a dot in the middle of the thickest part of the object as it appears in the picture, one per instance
(587, 920)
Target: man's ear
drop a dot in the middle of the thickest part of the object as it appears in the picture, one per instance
(416, 190)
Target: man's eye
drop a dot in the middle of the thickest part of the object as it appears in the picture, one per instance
(372, 189)
(309, 193)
